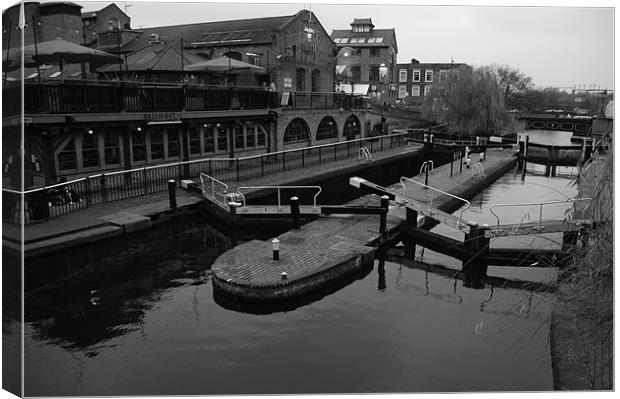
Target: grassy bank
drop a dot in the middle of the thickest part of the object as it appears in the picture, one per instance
(582, 321)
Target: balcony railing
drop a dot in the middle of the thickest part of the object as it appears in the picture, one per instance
(110, 97)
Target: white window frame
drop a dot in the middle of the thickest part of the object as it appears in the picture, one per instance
(443, 74)
(427, 73)
(402, 93)
(415, 91)
(427, 89)
(402, 75)
(419, 72)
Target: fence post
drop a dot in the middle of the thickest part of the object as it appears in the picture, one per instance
(385, 205)
(426, 167)
(145, 180)
(303, 161)
(295, 212)
(335, 151)
(87, 191)
(172, 195)
(210, 166)
(237, 168)
(262, 165)
(283, 161)
(104, 192)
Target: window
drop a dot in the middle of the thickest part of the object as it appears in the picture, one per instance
(301, 79)
(111, 148)
(316, 74)
(402, 91)
(356, 72)
(371, 39)
(374, 73)
(416, 75)
(443, 74)
(375, 52)
(342, 40)
(327, 129)
(138, 146)
(351, 128)
(427, 90)
(297, 130)
(67, 158)
(358, 40)
(90, 150)
(194, 140)
(157, 144)
(250, 134)
(378, 40)
(402, 75)
(415, 91)
(428, 76)
(260, 137)
(174, 143)
(238, 135)
(222, 138)
(209, 138)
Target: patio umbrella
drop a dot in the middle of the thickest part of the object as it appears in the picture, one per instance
(223, 64)
(60, 51)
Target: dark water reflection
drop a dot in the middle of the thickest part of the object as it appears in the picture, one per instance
(139, 316)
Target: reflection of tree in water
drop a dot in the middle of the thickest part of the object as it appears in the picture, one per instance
(85, 296)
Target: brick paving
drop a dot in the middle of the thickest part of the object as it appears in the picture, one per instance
(329, 240)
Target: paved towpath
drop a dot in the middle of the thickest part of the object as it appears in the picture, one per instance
(89, 223)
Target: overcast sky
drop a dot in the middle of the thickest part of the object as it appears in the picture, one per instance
(556, 46)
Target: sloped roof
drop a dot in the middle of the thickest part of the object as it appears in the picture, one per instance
(389, 37)
(362, 21)
(205, 34)
(89, 14)
(156, 57)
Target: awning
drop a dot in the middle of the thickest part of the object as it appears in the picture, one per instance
(355, 88)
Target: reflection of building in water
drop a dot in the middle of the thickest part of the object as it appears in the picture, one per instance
(103, 291)
(366, 59)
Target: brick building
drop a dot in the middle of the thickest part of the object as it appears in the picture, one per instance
(415, 80)
(366, 59)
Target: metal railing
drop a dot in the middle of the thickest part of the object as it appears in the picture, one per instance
(478, 171)
(467, 203)
(214, 189)
(279, 192)
(58, 199)
(540, 205)
(77, 96)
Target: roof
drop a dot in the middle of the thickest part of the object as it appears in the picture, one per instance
(89, 14)
(205, 34)
(388, 35)
(56, 3)
(362, 21)
(432, 65)
(156, 57)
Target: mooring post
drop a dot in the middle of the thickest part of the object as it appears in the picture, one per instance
(232, 207)
(525, 151)
(172, 193)
(411, 223)
(385, 205)
(295, 212)
(461, 154)
(275, 248)
(477, 247)
(426, 167)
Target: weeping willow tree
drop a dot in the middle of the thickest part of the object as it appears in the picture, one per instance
(469, 100)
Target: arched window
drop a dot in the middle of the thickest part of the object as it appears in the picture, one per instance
(351, 128)
(316, 82)
(297, 130)
(327, 129)
(301, 79)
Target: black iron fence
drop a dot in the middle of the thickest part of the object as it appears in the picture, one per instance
(51, 201)
(86, 97)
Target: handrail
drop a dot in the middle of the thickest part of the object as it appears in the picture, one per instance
(541, 204)
(364, 154)
(181, 163)
(426, 164)
(402, 182)
(478, 171)
(278, 190)
(213, 181)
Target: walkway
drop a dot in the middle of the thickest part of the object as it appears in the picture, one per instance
(116, 218)
(324, 250)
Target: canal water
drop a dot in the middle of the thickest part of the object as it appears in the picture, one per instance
(137, 316)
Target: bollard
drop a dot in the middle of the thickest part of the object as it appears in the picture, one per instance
(385, 205)
(295, 212)
(426, 177)
(232, 207)
(481, 156)
(172, 194)
(468, 163)
(275, 246)
(451, 165)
